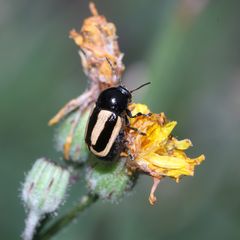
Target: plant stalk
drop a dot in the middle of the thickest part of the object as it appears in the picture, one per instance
(66, 219)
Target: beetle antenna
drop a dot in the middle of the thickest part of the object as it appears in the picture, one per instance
(143, 85)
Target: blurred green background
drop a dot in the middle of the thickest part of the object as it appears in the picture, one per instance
(188, 49)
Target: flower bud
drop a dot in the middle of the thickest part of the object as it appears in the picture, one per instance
(110, 181)
(43, 192)
(45, 186)
(78, 150)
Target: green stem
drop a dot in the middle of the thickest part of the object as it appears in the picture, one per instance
(41, 226)
(84, 203)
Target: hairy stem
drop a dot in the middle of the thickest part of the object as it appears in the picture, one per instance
(31, 223)
(84, 203)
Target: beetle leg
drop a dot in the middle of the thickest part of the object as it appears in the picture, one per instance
(136, 130)
(126, 152)
(137, 115)
(130, 155)
(133, 128)
(68, 142)
(127, 123)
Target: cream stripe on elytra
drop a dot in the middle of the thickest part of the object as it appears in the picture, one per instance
(103, 116)
(112, 139)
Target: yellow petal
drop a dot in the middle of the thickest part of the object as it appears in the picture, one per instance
(167, 161)
(167, 129)
(170, 166)
(183, 144)
(136, 108)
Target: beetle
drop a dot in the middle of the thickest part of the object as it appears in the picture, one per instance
(104, 132)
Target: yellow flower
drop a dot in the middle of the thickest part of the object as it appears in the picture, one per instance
(157, 153)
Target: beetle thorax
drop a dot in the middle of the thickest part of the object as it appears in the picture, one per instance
(114, 99)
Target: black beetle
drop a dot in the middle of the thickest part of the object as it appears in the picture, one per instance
(104, 134)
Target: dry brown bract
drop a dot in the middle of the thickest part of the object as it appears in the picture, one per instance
(101, 58)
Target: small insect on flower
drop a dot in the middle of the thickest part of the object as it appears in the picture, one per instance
(105, 135)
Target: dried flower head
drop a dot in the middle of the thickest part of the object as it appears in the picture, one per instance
(157, 153)
(100, 54)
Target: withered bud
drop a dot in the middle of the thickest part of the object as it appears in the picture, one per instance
(100, 54)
